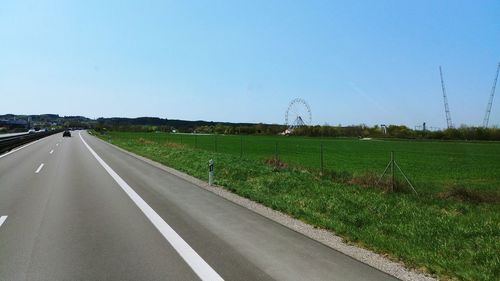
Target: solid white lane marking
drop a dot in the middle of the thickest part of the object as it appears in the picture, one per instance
(197, 264)
(39, 168)
(52, 151)
(2, 219)
(19, 148)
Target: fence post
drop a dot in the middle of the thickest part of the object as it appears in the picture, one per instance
(241, 146)
(276, 151)
(392, 171)
(321, 158)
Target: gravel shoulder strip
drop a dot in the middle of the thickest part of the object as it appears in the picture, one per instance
(323, 236)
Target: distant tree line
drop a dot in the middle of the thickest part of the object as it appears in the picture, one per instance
(205, 128)
(148, 124)
(256, 129)
(159, 124)
(400, 131)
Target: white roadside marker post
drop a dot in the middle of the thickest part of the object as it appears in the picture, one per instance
(210, 172)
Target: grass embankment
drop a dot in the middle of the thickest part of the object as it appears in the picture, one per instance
(450, 238)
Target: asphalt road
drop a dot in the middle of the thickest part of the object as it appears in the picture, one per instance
(79, 209)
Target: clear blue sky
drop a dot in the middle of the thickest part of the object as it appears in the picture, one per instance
(355, 62)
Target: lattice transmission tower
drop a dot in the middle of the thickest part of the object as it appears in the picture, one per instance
(446, 106)
(490, 102)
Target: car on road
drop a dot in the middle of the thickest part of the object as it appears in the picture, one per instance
(66, 133)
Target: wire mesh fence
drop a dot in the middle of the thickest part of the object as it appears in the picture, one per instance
(425, 163)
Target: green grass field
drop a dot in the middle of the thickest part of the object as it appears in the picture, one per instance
(431, 166)
(449, 237)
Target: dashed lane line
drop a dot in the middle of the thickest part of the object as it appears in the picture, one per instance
(39, 168)
(2, 219)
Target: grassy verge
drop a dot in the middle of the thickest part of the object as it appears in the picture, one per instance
(452, 239)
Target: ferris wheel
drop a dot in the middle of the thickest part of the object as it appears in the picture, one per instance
(298, 114)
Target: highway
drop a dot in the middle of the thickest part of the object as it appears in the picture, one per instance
(79, 209)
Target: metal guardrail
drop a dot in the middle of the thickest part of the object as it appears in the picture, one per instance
(12, 135)
(8, 143)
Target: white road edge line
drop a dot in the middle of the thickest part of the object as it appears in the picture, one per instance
(52, 151)
(197, 264)
(39, 168)
(19, 148)
(2, 219)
